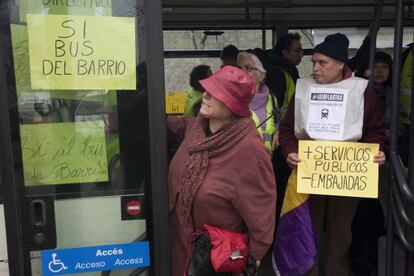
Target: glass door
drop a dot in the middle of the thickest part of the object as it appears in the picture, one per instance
(85, 190)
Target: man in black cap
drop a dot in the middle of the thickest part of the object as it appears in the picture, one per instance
(332, 215)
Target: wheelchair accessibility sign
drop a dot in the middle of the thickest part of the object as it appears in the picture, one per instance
(55, 265)
(96, 258)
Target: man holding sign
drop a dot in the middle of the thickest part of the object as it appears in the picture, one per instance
(332, 106)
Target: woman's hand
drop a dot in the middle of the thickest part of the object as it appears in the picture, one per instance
(293, 160)
(380, 158)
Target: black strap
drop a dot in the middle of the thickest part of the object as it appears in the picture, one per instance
(273, 111)
(264, 121)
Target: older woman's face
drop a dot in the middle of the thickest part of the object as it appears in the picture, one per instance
(248, 66)
(212, 108)
(380, 72)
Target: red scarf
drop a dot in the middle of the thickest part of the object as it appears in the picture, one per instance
(203, 148)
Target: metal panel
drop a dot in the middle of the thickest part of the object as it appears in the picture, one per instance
(205, 16)
(11, 192)
(286, 3)
(157, 132)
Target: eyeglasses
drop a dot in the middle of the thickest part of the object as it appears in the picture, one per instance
(248, 67)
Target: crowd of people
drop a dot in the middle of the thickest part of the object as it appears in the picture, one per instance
(239, 150)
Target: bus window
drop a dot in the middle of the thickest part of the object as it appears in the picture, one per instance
(215, 40)
(178, 70)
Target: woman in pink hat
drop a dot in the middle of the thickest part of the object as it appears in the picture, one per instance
(221, 174)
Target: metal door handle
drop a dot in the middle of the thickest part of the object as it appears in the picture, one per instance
(38, 212)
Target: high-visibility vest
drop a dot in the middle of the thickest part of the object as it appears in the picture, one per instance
(405, 87)
(289, 92)
(193, 98)
(268, 128)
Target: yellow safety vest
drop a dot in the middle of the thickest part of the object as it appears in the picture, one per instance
(405, 87)
(267, 130)
(193, 98)
(290, 91)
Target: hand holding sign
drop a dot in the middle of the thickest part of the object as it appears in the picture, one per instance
(293, 160)
(380, 158)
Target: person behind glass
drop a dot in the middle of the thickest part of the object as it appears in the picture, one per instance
(382, 83)
(221, 174)
(381, 75)
(228, 55)
(405, 104)
(282, 77)
(193, 100)
(381, 72)
(368, 223)
(331, 215)
(263, 104)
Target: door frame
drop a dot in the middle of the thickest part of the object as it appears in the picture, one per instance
(160, 251)
(12, 199)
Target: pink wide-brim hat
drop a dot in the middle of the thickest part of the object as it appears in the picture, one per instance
(233, 87)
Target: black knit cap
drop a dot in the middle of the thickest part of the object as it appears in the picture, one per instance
(334, 46)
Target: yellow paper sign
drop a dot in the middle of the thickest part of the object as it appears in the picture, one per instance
(77, 7)
(81, 52)
(22, 73)
(64, 153)
(20, 57)
(175, 102)
(338, 168)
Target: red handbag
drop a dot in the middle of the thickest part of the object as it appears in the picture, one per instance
(229, 250)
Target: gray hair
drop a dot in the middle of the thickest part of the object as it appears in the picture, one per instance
(257, 63)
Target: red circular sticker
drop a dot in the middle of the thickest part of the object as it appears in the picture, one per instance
(133, 207)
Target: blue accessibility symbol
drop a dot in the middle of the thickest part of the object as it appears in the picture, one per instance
(95, 258)
(56, 265)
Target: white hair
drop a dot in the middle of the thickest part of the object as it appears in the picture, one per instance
(257, 63)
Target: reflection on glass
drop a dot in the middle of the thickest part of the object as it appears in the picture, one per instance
(84, 148)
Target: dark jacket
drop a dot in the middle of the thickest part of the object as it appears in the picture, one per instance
(275, 77)
(360, 62)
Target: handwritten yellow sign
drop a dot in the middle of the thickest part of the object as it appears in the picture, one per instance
(175, 102)
(20, 57)
(81, 52)
(64, 153)
(77, 7)
(338, 168)
(22, 74)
